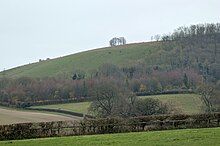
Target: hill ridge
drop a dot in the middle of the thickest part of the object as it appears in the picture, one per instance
(69, 62)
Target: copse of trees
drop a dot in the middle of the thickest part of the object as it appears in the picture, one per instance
(117, 41)
(111, 101)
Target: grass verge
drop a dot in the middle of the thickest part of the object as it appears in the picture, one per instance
(192, 137)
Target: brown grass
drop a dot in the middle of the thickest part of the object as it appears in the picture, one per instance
(11, 116)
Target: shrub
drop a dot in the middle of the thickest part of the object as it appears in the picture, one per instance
(149, 106)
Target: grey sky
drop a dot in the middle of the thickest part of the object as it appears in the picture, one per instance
(34, 29)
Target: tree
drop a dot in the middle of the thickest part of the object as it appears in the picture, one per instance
(117, 41)
(78, 75)
(157, 37)
(186, 81)
(149, 106)
(122, 40)
(206, 92)
(105, 99)
(110, 101)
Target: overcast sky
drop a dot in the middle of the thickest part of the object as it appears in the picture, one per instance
(37, 29)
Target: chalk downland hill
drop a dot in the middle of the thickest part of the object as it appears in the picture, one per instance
(88, 61)
(165, 55)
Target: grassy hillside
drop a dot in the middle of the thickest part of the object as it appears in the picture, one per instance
(184, 103)
(87, 61)
(196, 46)
(195, 137)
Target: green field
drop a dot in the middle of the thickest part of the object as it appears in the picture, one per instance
(81, 107)
(87, 61)
(188, 137)
(185, 103)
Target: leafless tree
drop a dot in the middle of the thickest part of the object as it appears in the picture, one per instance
(117, 41)
(206, 92)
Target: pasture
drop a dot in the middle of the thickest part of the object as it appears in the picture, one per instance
(12, 116)
(183, 103)
(80, 107)
(87, 61)
(192, 137)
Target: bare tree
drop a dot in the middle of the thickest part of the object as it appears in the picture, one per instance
(110, 101)
(105, 97)
(157, 37)
(206, 92)
(117, 41)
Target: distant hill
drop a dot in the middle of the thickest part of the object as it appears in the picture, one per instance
(196, 47)
(88, 61)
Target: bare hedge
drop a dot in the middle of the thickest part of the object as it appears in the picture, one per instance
(107, 125)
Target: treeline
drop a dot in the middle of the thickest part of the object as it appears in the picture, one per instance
(26, 91)
(209, 31)
(197, 47)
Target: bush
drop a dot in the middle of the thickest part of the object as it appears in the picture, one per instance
(149, 106)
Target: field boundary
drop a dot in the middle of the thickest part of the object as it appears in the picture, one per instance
(62, 112)
(165, 92)
(108, 125)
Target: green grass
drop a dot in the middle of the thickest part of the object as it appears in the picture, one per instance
(188, 137)
(87, 61)
(186, 103)
(81, 107)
